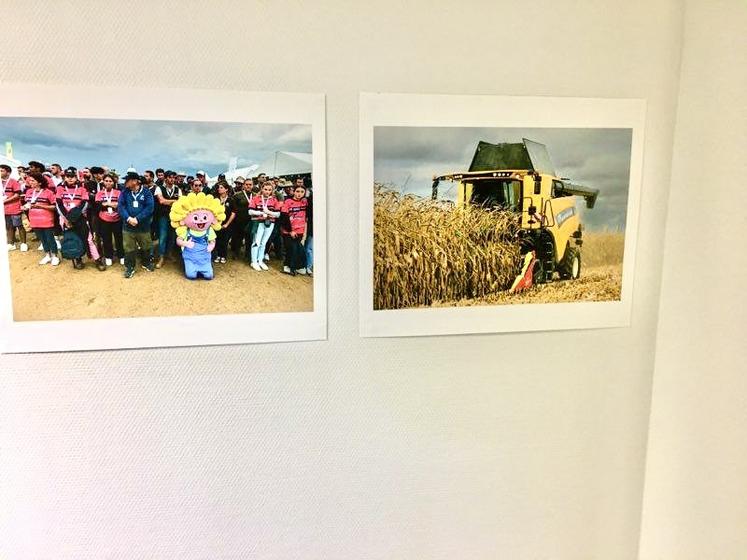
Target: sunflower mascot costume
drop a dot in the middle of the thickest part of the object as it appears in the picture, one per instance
(196, 218)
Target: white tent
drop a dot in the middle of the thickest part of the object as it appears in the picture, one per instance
(282, 164)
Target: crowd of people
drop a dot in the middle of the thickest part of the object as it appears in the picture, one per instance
(97, 213)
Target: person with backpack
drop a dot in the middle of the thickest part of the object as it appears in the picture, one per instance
(72, 201)
(136, 210)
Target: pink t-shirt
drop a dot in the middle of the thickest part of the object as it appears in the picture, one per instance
(12, 187)
(40, 217)
(296, 210)
(72, 196)
(108, 196)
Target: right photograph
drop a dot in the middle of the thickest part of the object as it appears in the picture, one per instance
(482, 216)
(494, 214)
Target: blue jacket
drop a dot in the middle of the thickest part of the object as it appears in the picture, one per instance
(143, 212)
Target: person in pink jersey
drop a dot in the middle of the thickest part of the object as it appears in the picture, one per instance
(72, 194)
(40, 203)
(12, 194)
(264, 209)
(293, 227)
(109, 222)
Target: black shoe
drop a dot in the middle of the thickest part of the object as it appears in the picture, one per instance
(129, 272)
(149, 267)
(78, 264)
(100, 265)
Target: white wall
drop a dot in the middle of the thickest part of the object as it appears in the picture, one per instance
(696, 486)
(499, 446)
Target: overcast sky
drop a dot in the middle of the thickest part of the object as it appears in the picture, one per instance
(177, 145)
(597, 158)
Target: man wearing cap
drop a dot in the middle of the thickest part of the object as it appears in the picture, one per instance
(165, 196)
(94, 184)
(12, 209)
(136, 210)
(200, 175)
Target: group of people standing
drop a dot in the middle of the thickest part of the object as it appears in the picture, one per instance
(95, 213)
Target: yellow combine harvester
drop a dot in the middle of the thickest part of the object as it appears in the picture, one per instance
(520, 178)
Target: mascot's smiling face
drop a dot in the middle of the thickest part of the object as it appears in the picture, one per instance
(199, 219)
(197, 212)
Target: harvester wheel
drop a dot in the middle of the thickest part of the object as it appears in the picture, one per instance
(570, 267)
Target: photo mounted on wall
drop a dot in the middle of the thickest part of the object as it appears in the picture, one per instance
(483, 214)
(169, 217)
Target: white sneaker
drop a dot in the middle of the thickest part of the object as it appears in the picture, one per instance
(55, 260)
(46, 260)
(108, 262)
(121, 261)
(24, 247)
(301, 271)
(267, 257)
(41, 247)
(287, 269)
(11, 246)
(255, 266)
(263, 266)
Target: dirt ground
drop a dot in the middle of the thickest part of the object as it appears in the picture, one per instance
(599, 283)
(47, 293)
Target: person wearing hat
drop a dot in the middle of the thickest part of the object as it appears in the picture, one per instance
(94, 184)
(12, 194)
(72, 206)
(136, 209)
(165, 196)
(238, 184)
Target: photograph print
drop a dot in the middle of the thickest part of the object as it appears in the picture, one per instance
(156, 218)
(498, 216)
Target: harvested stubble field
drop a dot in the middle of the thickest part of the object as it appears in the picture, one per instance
(430, 253)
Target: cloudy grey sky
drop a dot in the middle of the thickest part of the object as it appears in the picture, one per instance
(176, 145)
(594, 157)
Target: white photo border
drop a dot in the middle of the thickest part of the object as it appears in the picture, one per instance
(422, 110)
(65, 101)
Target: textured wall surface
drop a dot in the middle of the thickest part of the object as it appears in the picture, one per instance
(492, 446)
(696, 486)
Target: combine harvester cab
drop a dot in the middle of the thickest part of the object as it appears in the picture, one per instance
(520, 177)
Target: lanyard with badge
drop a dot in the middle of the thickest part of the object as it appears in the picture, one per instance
(35, 195)
(136, 198)
(71, 197)
(108, 199)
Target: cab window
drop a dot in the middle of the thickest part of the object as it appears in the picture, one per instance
(503, 193)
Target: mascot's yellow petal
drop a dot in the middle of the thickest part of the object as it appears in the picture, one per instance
(200, 201)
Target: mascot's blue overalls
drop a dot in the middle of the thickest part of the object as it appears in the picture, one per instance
(197, 260)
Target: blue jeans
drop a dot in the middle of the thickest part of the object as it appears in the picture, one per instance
(46, 236)
(310, 252)
(166, 235)
(261, 236)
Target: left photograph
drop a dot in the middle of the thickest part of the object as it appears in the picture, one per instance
(204, 211)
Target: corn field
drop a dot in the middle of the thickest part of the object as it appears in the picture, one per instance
(429, 251)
